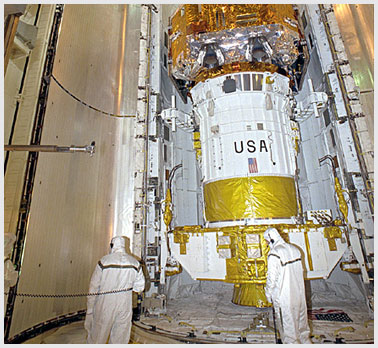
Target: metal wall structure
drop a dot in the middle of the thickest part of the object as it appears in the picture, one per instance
(24, 122)
(359, 76)
(356, 25)
(78, 200)
(168, 148)
(343, 131)
(22, 78)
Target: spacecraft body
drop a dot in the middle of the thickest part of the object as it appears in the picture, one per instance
(248, 166)
(248, 149)
(240, 63)
(243, 107)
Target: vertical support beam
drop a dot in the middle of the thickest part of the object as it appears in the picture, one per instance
(308, 250)
(10, 29)
(358, 253)
(141, 135)
(31, 166)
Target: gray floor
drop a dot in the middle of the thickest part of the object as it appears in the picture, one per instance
(211, 317)
(204, 310)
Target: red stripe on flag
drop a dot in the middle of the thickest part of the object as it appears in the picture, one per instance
(252, 165)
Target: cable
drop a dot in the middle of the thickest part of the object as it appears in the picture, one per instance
(89, 106)
(171, 175)
(72, 295)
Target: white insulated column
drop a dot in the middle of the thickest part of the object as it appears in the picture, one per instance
(248, 146)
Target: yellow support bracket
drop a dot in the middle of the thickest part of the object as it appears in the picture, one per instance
(167, 217)
(331, 233)
(167, 316)
(183, 323)
(347, 328)
(343, 206)
(309, 257)
(182, 239)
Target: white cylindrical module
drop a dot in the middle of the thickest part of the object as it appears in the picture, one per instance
(236, 61)
(248, 150)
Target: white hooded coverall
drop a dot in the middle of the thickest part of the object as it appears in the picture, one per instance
(285, 289)
(109, 315)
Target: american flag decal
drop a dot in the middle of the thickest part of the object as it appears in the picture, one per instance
(252, 165)
(328, 314)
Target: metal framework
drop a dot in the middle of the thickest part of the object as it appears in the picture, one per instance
(32, 166)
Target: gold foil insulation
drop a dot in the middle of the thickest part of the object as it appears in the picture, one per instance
(197, 145)
(167, 210)
(247, 260)
(331, 233)
(233, 68)
(259, 197)
(250, 295)
(343, 206)
(230, 27)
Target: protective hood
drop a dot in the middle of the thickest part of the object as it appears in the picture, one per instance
(272, 236)
(118, 244)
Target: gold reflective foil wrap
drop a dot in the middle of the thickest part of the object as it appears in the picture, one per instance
(308, 251)
(234, 68)
(344, 267)
(331, 233)
(230, 26)
(182, 239)
(167, 217)
(250, 295)
(179, 50)
(174, 269)
(343, 206)
(240, 268)
(259, 197)
(223, 16)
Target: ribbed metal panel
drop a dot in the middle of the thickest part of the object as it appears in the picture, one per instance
(14, 175)
(73, 207)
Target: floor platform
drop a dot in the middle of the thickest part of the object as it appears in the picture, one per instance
(212, 318)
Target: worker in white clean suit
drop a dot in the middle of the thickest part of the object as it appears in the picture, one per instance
(109, 315)
(285, 289)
